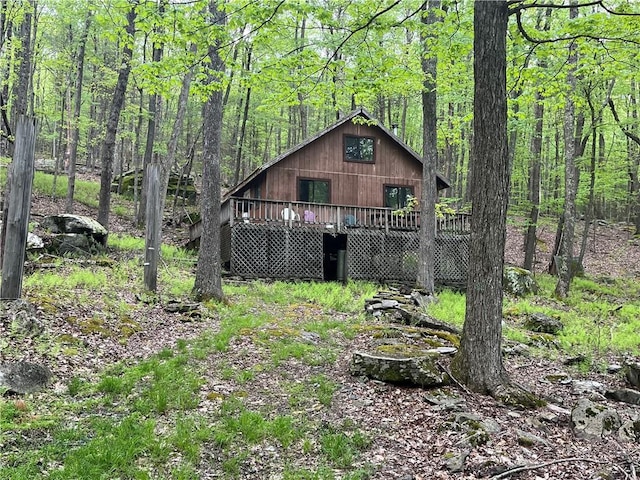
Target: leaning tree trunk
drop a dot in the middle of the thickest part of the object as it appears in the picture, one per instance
(208, 281)
(109, 142)
(430, 146)
(75, 135)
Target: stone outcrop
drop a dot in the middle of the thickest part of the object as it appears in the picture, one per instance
(412, 368)
(73, 234)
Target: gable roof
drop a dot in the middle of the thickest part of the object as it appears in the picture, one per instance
(441, 180)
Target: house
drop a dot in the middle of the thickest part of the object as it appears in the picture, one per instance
(336, 207)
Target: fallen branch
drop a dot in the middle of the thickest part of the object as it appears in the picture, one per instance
(525, 468)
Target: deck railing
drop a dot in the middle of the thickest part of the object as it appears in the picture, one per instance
(332, 217)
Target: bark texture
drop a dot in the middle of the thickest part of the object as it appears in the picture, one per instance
(430, 157)
(208, 282)
(117, 101)
(478, 363)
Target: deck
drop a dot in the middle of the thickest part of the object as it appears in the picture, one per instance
(332, 217)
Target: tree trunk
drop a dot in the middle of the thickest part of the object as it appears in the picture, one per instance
(172, 146)
(243, 126)
(534, 183)
(152, 125)
(208, 281)
(478, 364)
(117, 101)
(430, 155)
(75, 136)
(565, 253)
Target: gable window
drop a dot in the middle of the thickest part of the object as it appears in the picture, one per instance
(314, 190)
(359, 149)
(397, 197)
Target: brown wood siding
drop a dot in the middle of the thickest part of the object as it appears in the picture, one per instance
(352, 183)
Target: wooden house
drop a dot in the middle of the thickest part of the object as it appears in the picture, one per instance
(335, 207)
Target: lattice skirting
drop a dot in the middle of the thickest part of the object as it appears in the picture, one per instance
(260, 251)
(277, 251)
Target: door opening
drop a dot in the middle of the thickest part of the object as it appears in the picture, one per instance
(334, 249)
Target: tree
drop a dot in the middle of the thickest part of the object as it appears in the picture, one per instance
(117, 102)
(77, 105)
(565, 266)
(208, 282)
(430, 155)
(478, 363)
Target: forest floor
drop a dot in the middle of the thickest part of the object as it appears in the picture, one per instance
(410, 437)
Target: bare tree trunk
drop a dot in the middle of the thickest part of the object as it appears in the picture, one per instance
(172, 146)
(426, 264)
(243, 126)
(208, 281)
(478, 363)
(117, 102)
(75, 138)
(565, 266)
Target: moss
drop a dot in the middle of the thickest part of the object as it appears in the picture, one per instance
(402, 350)
(452, 338)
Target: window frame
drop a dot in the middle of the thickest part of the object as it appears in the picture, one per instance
(411, 192)
(312, 179)
(359, 137)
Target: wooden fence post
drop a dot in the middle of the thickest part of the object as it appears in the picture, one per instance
(20, 183)
(153, 227)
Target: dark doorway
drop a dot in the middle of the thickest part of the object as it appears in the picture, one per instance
(334, 249)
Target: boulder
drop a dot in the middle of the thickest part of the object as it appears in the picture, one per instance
(24, 377)
(625, 395)
(518, 281)
(413, 368)
(539, 322)
(592, 421)
(74, 234)
(632, 374)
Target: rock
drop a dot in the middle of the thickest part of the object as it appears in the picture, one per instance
(518, 349)
(539, 322)
(419, 319)
(24, 377)
(444, 401)
(518, 281)
(22, 316)
(455, 463)
(614, 368)
(630, 431)
(588, 386)
(593, 421)
(415, 370)
(74, 234)
(632, 374)
(34, 242)
(527, 439)
(625, 395)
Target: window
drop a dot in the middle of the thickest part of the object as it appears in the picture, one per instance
(358, 149)
(314, 191)
(397, 197)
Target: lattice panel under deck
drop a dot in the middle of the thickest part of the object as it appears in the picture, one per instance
(276, 251)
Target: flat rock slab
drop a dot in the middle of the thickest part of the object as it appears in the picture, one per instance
(422, 371)
(24, 377)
